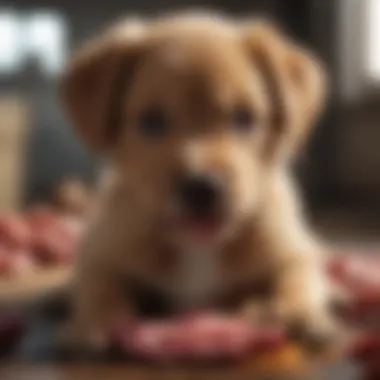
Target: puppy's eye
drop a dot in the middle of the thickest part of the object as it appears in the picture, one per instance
(154, 123)
(243, 118)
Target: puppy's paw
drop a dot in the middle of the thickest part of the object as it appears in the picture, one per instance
(340, 301)
(82, 343)
(317, 333)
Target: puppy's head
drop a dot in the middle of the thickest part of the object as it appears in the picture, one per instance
(196, 113)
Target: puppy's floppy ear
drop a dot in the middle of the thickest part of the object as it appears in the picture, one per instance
(294, 80)
(95, 82)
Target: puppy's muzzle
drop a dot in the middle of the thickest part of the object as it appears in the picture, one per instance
(201, 195)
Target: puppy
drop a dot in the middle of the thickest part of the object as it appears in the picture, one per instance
(198, 118)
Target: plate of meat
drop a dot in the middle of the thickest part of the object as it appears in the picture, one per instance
(37, 248)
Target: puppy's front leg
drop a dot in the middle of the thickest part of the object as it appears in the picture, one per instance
(301, 299)
(98, 302)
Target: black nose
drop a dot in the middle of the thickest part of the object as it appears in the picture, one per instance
(201, 194)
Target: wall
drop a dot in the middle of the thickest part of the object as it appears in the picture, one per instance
(359, 152)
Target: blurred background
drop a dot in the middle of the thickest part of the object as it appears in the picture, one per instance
(339, 170)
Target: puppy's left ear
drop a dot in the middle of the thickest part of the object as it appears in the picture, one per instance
(294, 80)
(95, 83)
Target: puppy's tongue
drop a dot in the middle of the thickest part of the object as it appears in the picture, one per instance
(202, 227)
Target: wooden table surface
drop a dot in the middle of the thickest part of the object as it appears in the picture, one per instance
(120, 372)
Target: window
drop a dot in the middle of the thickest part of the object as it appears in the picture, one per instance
(372, 37)
(41, 35)
(358, 49)
(46, 41)
(10, 54)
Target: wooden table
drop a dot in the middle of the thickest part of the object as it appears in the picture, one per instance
(130, 372)
(114, 373)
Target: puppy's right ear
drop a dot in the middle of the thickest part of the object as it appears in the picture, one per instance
(95, 81)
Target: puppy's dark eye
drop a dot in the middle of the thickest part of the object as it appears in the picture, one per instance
(154, 123)
(243, 118)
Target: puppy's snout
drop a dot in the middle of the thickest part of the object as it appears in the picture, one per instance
(201, 194)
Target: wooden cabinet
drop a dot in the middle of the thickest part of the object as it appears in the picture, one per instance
(14, 117)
